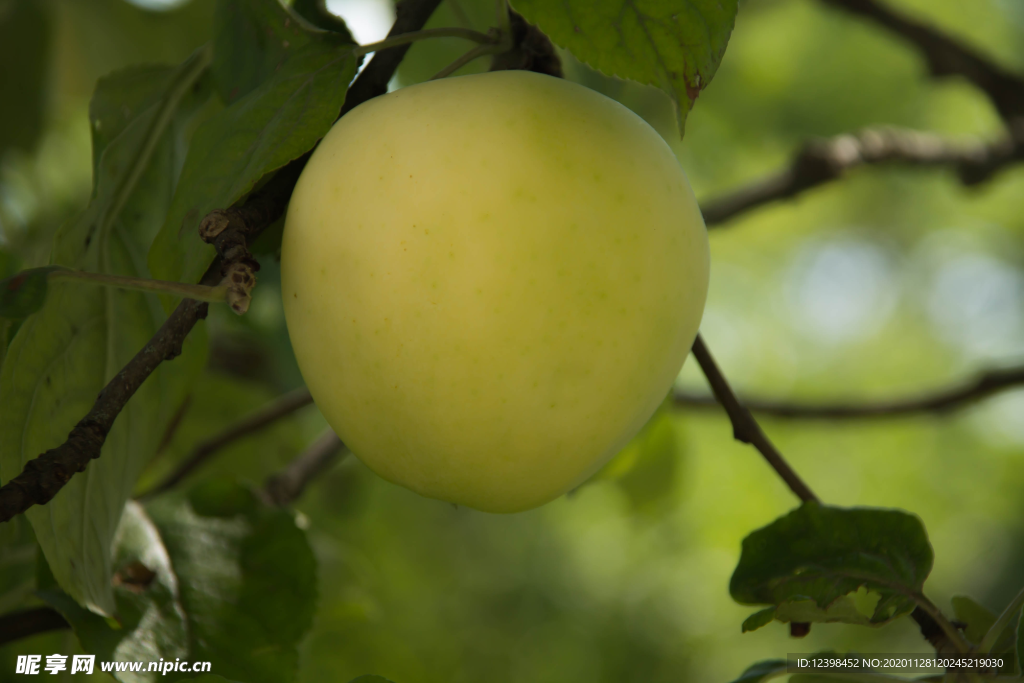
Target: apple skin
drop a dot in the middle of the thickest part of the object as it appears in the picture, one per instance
(490, 283)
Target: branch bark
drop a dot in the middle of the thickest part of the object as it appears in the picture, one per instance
(285, 487)
(229, 231)
(945, 55)
(824, 160)
(744, 427)
(938, 402)
(259, 419)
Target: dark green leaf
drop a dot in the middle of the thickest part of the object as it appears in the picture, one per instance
(18, 551)
(759, 619)
(25, 32)
(23, 294)
(807, 562)
(370, 679)
(672, 45)
(763, 671)
(263, 131)
(213, 576)
(63, 355)
(255, 38)
(317, 14)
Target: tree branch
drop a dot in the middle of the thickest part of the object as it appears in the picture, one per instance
(938, 402)
(29, 622)
(824, 160)
(285, 487)
(744, 427)
(259, 419)
(945, 55)
(228, 231)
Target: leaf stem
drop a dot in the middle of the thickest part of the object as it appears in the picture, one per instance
(992, 636)
(504, 25)
(216, 294)
(412, 37)
(478, 51)
(954, 635)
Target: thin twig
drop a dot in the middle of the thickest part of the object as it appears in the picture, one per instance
(469, 56)
(285, 487)
(46, 474)
(29, 622)
(945, 55)
(824, 160)
(414, 36)
(744, 427)
(252, 423)
(937, 402)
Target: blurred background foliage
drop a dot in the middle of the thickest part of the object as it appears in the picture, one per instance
(887, 282)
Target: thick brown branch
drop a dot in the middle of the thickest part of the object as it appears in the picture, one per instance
(945, 55)
(744, 427)
(937, 402)
(45, 475)
(285, 487)
(825, 160)
(29, 622)
(229, 231)
(250, 424)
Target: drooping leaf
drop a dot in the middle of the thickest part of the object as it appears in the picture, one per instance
(18, 551)
(26, 27)
(808, 561)
(676, 46)
(763, 671)
(279, 121)
(63, 355)
(253, 39)
(212, 576)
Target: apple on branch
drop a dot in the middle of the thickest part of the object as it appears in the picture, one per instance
(491, 282)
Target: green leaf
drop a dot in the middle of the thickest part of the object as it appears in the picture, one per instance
(979, 619)
(260, 133)
(65, 354)
(370, 679)
(1020, 644)
(763, 671)
(26, 28)
(212, 576)
(645, 470)
(676, 46)
(317, 14)
(18, 551)
(758, 619)
(253, 39)
(23, 294)
(806, 562)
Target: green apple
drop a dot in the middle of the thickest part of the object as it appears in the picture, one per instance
(491, 282)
